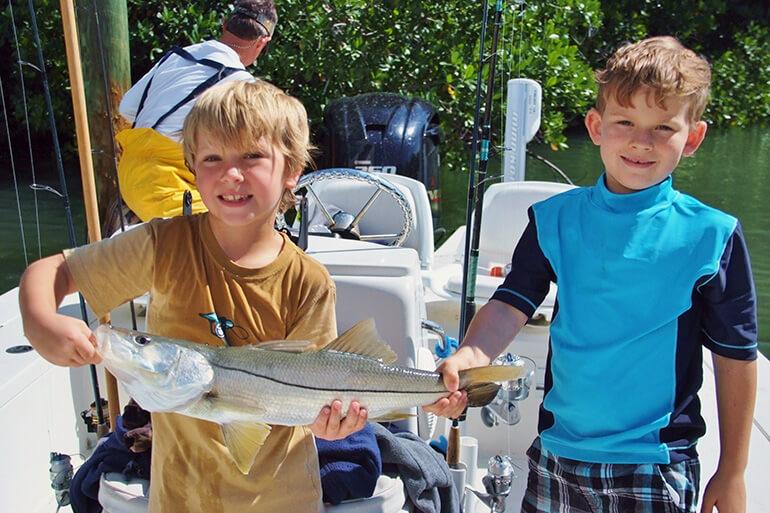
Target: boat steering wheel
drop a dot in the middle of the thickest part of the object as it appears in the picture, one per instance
(346, 225)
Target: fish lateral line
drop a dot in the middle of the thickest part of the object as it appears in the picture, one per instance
(323, 389)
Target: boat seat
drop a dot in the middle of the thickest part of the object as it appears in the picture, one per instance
(384, 215)
(119, 494)
(501, 233)
(503, 222)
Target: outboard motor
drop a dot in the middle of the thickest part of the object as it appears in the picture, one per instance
(384, 132)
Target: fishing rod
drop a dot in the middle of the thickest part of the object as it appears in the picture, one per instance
(86, 160)
(63, 193)
(476, 188)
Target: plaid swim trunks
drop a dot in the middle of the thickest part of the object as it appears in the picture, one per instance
(562, 485)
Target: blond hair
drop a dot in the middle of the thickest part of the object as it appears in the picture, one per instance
(240, 114)
(663, 65)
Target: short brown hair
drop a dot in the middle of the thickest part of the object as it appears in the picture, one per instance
(240, 114)
(662, 64)
(252, 19)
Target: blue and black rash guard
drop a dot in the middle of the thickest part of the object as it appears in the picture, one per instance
(644, 280)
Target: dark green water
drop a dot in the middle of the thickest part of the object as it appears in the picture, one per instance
(730, 171)
(52, 235)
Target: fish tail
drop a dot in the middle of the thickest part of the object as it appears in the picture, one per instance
(481, 383)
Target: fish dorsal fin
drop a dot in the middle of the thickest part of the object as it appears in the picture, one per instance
(244, 440)
(288, 346)
(363, 339)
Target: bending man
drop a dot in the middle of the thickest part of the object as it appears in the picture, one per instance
(152, 173)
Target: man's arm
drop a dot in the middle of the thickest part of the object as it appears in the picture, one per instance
(736, 386)
(60, 339)
(491, 330)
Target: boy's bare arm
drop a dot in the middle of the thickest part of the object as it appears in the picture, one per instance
(60, 339)
(736, 384)
(492, 329)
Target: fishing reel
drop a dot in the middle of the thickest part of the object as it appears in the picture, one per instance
(91, 418)
(504, 407)
(61, 472)
(498, 483)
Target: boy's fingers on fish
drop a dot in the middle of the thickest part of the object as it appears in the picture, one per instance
(458, 404)
(320, 425)
(440, 407)
(352, 421)
(86, 353)
(453, 403)
(450, 373)
(335, 418)
(363, 416)
(450, 406)
(353, 410)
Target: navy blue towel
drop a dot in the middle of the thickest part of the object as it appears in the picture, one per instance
(112, 455)
(349, 467)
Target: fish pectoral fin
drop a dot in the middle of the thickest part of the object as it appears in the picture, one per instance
(244, 440)
(363, 339)
(393, 416)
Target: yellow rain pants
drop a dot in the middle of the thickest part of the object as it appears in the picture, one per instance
(153, 176)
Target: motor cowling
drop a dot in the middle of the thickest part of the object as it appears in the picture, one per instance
(384, 132)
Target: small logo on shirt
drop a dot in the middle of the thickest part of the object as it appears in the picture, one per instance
(222, 328)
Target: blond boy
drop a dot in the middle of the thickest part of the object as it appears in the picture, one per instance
(222, 277)
(646, 276)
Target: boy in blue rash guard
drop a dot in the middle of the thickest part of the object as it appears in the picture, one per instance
(646, 276)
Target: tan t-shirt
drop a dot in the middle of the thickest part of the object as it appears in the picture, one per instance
(198, 294)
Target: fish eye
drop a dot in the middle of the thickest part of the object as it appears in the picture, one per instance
(142, 340)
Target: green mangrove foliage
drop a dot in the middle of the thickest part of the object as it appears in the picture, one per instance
(324, 49)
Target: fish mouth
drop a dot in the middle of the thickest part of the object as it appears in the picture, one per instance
(123, 357)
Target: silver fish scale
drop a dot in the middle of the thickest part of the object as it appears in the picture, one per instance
(290, 389)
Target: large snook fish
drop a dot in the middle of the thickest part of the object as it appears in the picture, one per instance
(287, 382)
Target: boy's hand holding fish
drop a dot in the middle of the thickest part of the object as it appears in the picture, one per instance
(453, 405)
(65, 341)
(60, 339)
(490, 331)
(331, 425)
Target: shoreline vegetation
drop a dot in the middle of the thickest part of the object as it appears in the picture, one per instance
(323, 50)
